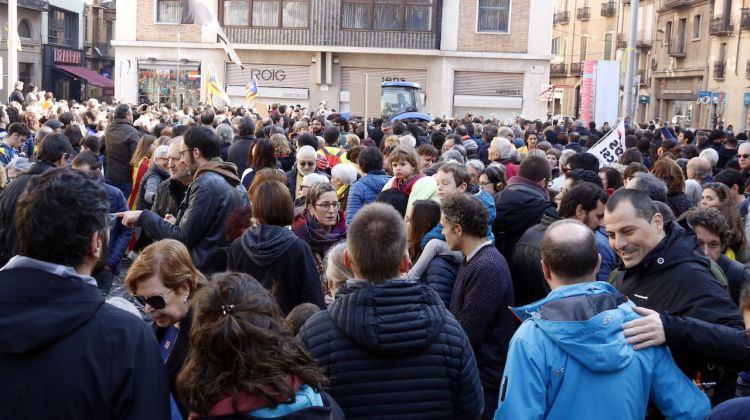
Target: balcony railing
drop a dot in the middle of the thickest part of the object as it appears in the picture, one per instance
(31, 4)
(609, 9)
(576, 69)
(561, 18)
(621, 42)
(559, 69)
(719, 67)
(720, 26)
(104, 50)
(676, 49)
(745, 18)
(747, 70)
(644, 41)
(583, 13)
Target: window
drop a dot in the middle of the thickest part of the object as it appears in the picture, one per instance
(493, 16)
(24, 29)
(266, 13)
(681, 34)
(668, 34)
(697, 27)
(388, 15)
(168, 11)
(582, 51)
(63, 27)
(607, 46)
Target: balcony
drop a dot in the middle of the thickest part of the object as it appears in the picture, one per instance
(609, 9)
(561, 18)
(747, 70)
(643, 41)
(41, 5)
(583, 13)
(720, 26)
(622, 43)
(745, 18)
(103, 50)
(676, 50)
(576, 69)
(676, 4)
(719, 67)
(558, 70)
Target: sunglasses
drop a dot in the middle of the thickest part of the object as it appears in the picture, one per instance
(745, 156)
(156, 302)
(306, 163)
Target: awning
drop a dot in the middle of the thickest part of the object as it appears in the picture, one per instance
(89, 75)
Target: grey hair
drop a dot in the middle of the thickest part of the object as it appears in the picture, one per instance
(306, 151)
(476, 164)
(650, 185)
(565, 155)
(314, 178)
(225, 133)
(408, 141)
(161, 151)
(711, 155)
(503, 146)
(346, 172)
(20, 164)
(453, 155)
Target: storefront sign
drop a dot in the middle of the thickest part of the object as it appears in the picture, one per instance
(706, 97)
(283, 93)
(269, 76)
(644, 99)
(67, 56)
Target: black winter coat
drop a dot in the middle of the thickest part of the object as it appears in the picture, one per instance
(519, 207)
(66, 354)
(440, 276)
(169, 196)
(529, 284)
(211, 198)
(679, 203)
(120, 139)
(393, 351)
(177, 356)
(737, 276)
(8, 201)
(281, 262)
(239, 152)
(701, 323)
(155, 173)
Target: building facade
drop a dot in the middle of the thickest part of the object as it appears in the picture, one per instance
(469, 56)
(729, 65)
(30, 33)
(99, 31)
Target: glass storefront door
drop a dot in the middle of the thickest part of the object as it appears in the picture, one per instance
(163, 83)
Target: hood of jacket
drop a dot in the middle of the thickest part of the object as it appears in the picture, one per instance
(678, 246)
(227, 170)
(265, 244)
(38, 308)
(395, 317)
(586, 321)
(375, 180)
(520, 206)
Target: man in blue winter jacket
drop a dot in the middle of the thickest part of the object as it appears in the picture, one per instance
(570, 354)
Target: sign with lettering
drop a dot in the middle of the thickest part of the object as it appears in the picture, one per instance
(66, 56)
(609, 149)
(269, 75)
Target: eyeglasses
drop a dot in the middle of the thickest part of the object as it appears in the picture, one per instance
(156, 302)
(743, 156)
(485, 183)
(184, 151)
(306, 163)
(327, 206)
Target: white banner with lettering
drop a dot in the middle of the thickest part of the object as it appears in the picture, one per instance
(609, 149)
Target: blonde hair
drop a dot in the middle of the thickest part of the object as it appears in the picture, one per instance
(336, 271)
(280, 145)
(169, 259)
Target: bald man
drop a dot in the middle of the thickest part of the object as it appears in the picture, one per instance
(699, 169)
(556, 359)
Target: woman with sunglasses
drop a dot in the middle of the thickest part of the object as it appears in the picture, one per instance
(321, 224)
(245, 363)
(163, 279)
(273, 254)
(717, 195)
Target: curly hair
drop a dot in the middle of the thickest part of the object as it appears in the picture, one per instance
(240, 344)
(280, 145)
(710, 219)
(468, 212)
(43, 234)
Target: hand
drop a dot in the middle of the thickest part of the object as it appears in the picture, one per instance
(170, 219)
(129, 218)
(645, 332)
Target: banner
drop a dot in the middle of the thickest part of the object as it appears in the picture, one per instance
(546, 92)
(199, 12)
(609, 149)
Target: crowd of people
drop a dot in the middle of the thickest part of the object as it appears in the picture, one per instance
(323, 267)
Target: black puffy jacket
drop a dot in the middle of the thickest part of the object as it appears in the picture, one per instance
(529, 284)
(392, 350)
(121, 140)
(737, 276)
(440, 276)
(519, 207)
(701, 323)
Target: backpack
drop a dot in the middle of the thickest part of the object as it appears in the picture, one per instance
(333, 159)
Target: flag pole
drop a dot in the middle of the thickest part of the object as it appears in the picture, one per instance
(12, 51)
(179, 65)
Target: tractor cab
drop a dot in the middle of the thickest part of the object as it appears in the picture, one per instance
(402, 100)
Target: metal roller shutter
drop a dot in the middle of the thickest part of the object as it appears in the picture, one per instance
(479, 83)
(400, 75)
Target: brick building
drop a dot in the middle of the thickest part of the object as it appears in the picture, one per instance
(478, 56)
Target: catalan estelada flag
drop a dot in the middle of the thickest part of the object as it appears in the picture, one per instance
(213, 87)
(252, 90)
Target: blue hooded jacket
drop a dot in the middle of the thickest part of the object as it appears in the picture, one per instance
(569, 360)
(365, 191)
(487, 200)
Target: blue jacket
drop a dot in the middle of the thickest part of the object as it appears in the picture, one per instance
(489, 202)
(119, 235)
(609, 259)
(365, 191)
(569, 359)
